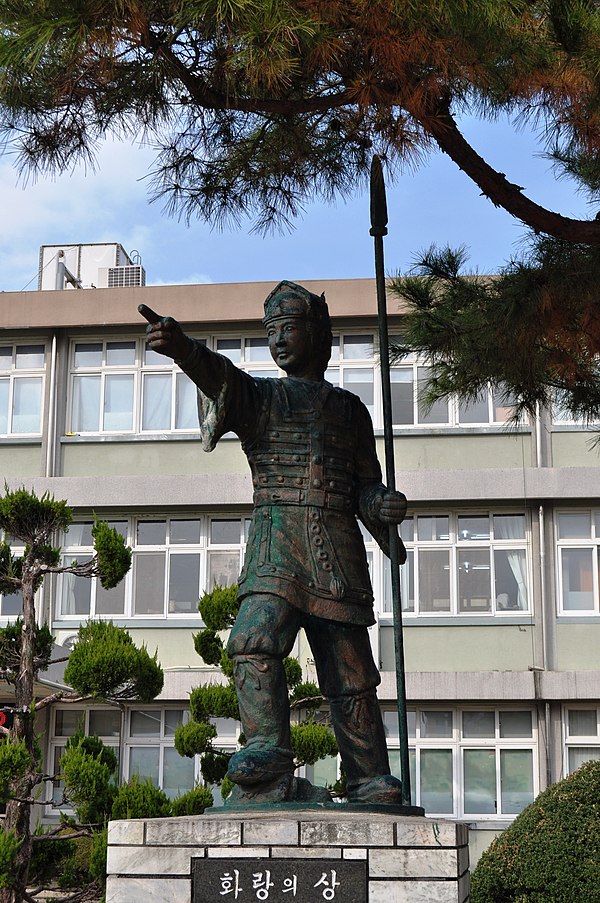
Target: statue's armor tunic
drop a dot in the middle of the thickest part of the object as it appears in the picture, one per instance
(311, 451)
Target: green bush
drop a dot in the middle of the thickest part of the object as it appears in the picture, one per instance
(550, 853)
(194, 802)
(140, 799)
(9, 847)
(49, 856)
(219, 607)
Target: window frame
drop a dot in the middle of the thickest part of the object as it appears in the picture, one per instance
(13, 375)
(589, 544)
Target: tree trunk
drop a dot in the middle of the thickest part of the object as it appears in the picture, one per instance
(18, 813)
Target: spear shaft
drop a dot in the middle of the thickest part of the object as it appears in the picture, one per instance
(378, 229)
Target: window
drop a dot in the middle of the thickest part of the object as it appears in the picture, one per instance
(121, 386)
(582, 736)
(101, 722)
(151, 753)
(578, 538)
(175, 560)
(470, 762)
(351, 367)
(21, 389)
(408, 380)
(463, 564)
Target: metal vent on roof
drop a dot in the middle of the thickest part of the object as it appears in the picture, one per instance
(126, 276)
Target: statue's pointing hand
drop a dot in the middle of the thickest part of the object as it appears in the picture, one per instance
(391, 507)
(165, 335)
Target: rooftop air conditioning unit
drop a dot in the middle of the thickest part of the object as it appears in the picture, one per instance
(125, 276)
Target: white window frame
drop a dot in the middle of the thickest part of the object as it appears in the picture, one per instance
(458, 744)
(454, 545)
(579, 741)
(58, 742)
(590, 543)
(169, 549)
(13, 375)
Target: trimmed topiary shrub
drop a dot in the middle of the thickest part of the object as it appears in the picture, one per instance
(551, 852)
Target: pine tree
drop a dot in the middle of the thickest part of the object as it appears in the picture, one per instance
(104, 664)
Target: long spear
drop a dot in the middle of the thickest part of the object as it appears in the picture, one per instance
(379, 219)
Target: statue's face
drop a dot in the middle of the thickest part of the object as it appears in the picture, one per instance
(291, 347)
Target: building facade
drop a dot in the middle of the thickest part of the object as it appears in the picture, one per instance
(501, 593)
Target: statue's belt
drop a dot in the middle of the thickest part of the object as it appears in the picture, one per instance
(316, 498)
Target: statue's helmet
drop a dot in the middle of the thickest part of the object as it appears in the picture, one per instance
(291, 300)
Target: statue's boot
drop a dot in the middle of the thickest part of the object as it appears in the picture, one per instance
(360, 737)
(265, 715)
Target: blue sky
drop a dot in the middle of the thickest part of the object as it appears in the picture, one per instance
(436, 204)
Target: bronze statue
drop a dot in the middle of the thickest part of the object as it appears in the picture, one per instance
(311, 450)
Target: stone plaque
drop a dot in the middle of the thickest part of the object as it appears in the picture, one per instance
(294, 880)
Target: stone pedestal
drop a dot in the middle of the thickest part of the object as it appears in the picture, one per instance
(397, 859)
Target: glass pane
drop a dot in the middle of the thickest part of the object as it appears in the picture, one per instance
(502, 406)
(360, 382)
(120, 526)
(473, 527)
(173, 718)
(324, 772)
(578, 755)
(227, 728)
(27, 402)
(120, 354)
(510, 576)
(5, 357)
(225, 532)
(407, 583)
(4, 390)
(105, 723)
(184, 583)
(474, 584)
(432, 528)
(577, 579)
(231, 348)
(335, 348)
(223, 569)
(118, 402)
(332, 376)
(436, 781)
(509, 526)
(86, 404)
(154, 359)
(149, 583)
(396, 770)
(184, 531)
(583, 723)
(261, 374)
(478, 724)
(29, 356)
(178, 773)
(186, 403)
(358, 347)
(58, 786)
(88, 354)
(403, 411)
(515, 724)
(11, 604)
(257, 350)
(597, 524)
(76, 592)
(407, 529)
(143, 761)
(145, 723)
(151, 532)
(156, 412)
(516, 780)
(436, 724)
(434, 580)
(474, 411)
(110, 601)
(574, 526)
(67, 721)
(79, 534)
(438, 412)
(480, 781)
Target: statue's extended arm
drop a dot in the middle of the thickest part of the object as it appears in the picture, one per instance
(165, 336)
